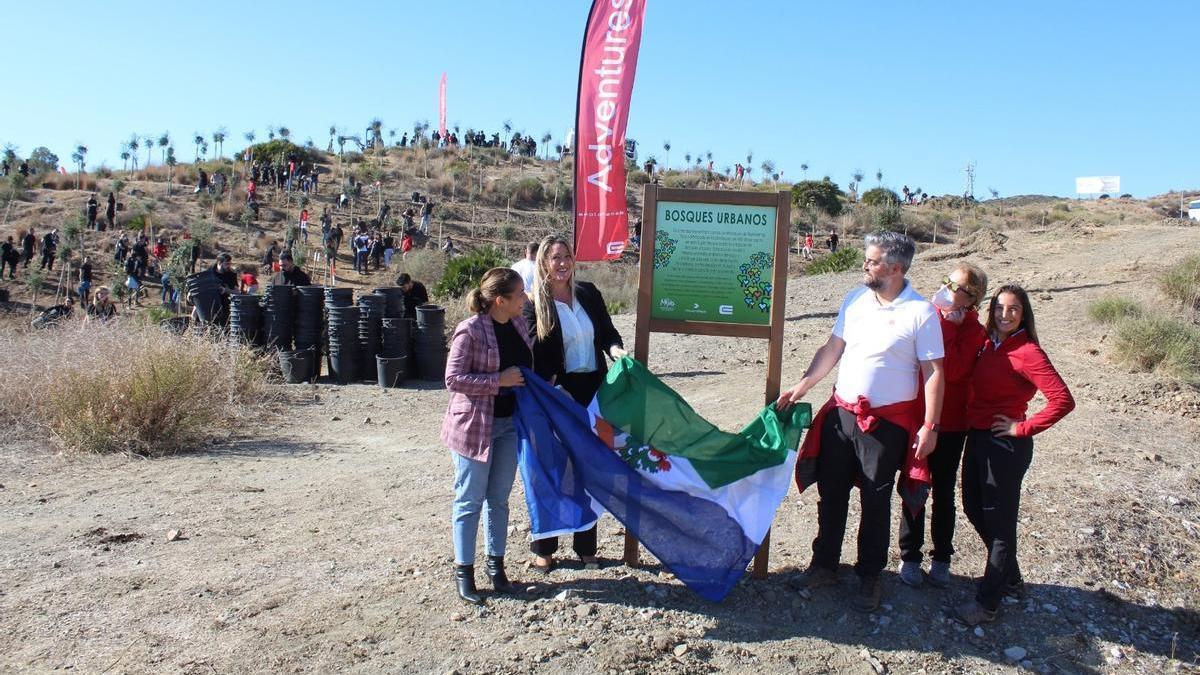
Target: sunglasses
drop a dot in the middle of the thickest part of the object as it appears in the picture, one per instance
(955, 286)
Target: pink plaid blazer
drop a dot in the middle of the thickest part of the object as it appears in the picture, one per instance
(473, 378)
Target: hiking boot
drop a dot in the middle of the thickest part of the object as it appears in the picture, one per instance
(939, 574)
(495, 572)
(818, 577)
(868, 595)
(464, 579)
(1015, 589)
(910, 574)
(972, 613)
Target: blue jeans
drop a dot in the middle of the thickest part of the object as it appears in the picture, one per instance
(484, 486)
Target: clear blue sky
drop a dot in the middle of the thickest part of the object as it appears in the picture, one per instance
(1035, 93)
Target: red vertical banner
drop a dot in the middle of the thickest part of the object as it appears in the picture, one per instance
(442, 107)
(606, 70)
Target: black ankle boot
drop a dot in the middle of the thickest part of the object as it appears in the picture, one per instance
(464, 577)
(495, 572)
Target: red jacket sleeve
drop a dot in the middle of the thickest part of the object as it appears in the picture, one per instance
(1035, 366)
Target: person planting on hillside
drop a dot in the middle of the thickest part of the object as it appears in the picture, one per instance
(249, 281)
(962, 337)
(807, 251)
(289, 274)
(9, 257)
(487, 353)
(831, 242)
(362, 248)
(426, 217)
(28, 243)
(121, 249)
(202, 182)
(132, 282)
(85, 282)
(252, 191)
(406, 245)
(103, 309)
(268, 259)
(93, 208)
(449, 249)
(326, 226)
(49, 248)
(141, 253)
(389, 249)
(376, 251)
(223, 270)
(1011, 369)
(304, 225)
(415, 294)
(885, 343)
(110, 213)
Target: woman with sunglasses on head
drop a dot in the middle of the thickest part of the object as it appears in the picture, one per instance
(962, 336)
(573, 333)
(486, 355)
(1010, 370)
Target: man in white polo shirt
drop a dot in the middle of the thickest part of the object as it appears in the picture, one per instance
(888, 341)
(527, 265)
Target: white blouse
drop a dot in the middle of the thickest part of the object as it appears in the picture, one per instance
(578, 338)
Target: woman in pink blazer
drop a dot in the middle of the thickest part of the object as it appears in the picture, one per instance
(486, 355)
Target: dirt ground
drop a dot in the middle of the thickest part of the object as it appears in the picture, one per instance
(318, 539)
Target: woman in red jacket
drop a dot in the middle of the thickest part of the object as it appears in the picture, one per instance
(962, 336)
(1011, 368)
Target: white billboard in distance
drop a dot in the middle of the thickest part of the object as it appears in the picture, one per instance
(1094, 185)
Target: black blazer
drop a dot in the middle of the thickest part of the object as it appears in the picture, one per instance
(549, 355)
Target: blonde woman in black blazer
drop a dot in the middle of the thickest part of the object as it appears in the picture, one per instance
(573, 334)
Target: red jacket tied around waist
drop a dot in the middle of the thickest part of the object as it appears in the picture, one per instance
(1006, 378)
(908, 415)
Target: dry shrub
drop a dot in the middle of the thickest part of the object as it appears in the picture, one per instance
(128, 388)
(1162, 344)
(1181, 282)
(424, 265)
(226, 211)
(618, 283)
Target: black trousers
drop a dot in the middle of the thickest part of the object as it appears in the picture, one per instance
(993, 468)
(943, 467)
(870, 460)
(582, 387)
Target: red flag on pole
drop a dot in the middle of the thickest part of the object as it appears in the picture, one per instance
(442, 107)
(606, 70)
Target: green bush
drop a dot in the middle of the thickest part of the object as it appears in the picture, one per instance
(464, 272)
(1061, 206)
(681, 180)
(887, 215)
(1159, 343)
(278, 151)
(528, 192)
(879, 196)
(638, 177)
(1112, 309)
(823, 195)
(1181, 282)
(843, 259)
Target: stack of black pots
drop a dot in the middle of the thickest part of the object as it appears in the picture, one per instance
(345, 348)
(393, 364)
(204, 291)
(310, 316)
(370, 328)
(395, 301)
(245, 319)
(278, 316)
(429, 349)
(339, 297)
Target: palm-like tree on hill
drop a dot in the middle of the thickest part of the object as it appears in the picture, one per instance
(134, 143)
(197, 139)
(879, 176)
(804, 168)
(80, 158)
(124, 156)
(687, 160)
(546, 138)
(163, 141)
(667, 157)
(376, 127)
(285, 133)
(218, 137)
(270, 133)
(148, 141)
(332, 134)
(768, 168)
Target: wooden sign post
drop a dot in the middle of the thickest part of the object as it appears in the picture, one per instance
(714, 262)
